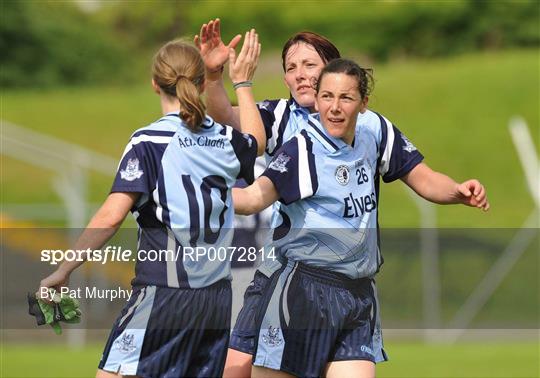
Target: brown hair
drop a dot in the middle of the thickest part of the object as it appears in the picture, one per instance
(326, 49)
(364, 76)
(178, 69)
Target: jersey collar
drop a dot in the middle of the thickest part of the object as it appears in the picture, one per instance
(207, 123)
(296, 108)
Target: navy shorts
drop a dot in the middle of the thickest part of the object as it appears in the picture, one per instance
(245, 329)
(170, 332)
(303, 317)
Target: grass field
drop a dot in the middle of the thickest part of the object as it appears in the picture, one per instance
(411, 360)
(455, 110)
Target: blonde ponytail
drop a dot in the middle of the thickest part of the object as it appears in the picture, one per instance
(192, 108)
(178, 69)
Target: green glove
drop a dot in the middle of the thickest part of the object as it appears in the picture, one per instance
(62, 309)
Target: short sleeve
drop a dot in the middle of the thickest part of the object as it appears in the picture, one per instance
(275, 116)
(293, 170)
(266, 109)
(245, 148)
(134, 171)
(397, 155)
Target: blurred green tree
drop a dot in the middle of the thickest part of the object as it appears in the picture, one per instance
(47, 43)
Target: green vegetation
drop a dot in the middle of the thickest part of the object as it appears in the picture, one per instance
(455, 110)
(46, 43)
(49, 42)
(387, 29)
(496, 359)
(407, 360)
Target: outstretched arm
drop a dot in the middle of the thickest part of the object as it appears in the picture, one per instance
(256, 197)
(101, 228)
(439, 188)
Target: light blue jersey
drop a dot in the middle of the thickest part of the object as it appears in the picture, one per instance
(329, 194)
(185, 179)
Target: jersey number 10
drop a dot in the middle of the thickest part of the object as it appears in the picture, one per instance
(208, 183)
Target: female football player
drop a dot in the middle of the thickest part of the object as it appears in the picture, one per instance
(175, 176)
(317, 314)
(303, 57)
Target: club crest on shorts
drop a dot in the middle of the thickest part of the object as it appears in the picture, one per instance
(126, 344)
(132, 171)
(272, 337)
(342, 174)
(367, 349)
(280, 163)
(409, 147)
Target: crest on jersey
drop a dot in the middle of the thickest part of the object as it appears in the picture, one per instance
(343, 174)
(264, 105)
(126, 344)
(280, 163)
(132, 171)
(409, 147)
(272, 338)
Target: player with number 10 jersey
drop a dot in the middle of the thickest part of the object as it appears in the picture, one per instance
(176, 176)
(184, 204)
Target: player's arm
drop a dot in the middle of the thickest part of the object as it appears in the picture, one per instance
(256, 197)
(215, 54)
(241, 70)
(100, 229)
(439, 188)
(218, 104)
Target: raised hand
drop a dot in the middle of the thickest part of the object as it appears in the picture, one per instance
(213, 51)
(472, 193)
(242, 67)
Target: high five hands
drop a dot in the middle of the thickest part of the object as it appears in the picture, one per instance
(215, 53)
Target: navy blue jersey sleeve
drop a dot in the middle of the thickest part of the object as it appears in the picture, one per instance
(136, 172)
(293, 170)
(245, 148)
(275, 116)
(397, 155)
(266, 108)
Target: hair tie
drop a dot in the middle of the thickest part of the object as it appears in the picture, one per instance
(180, 77)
